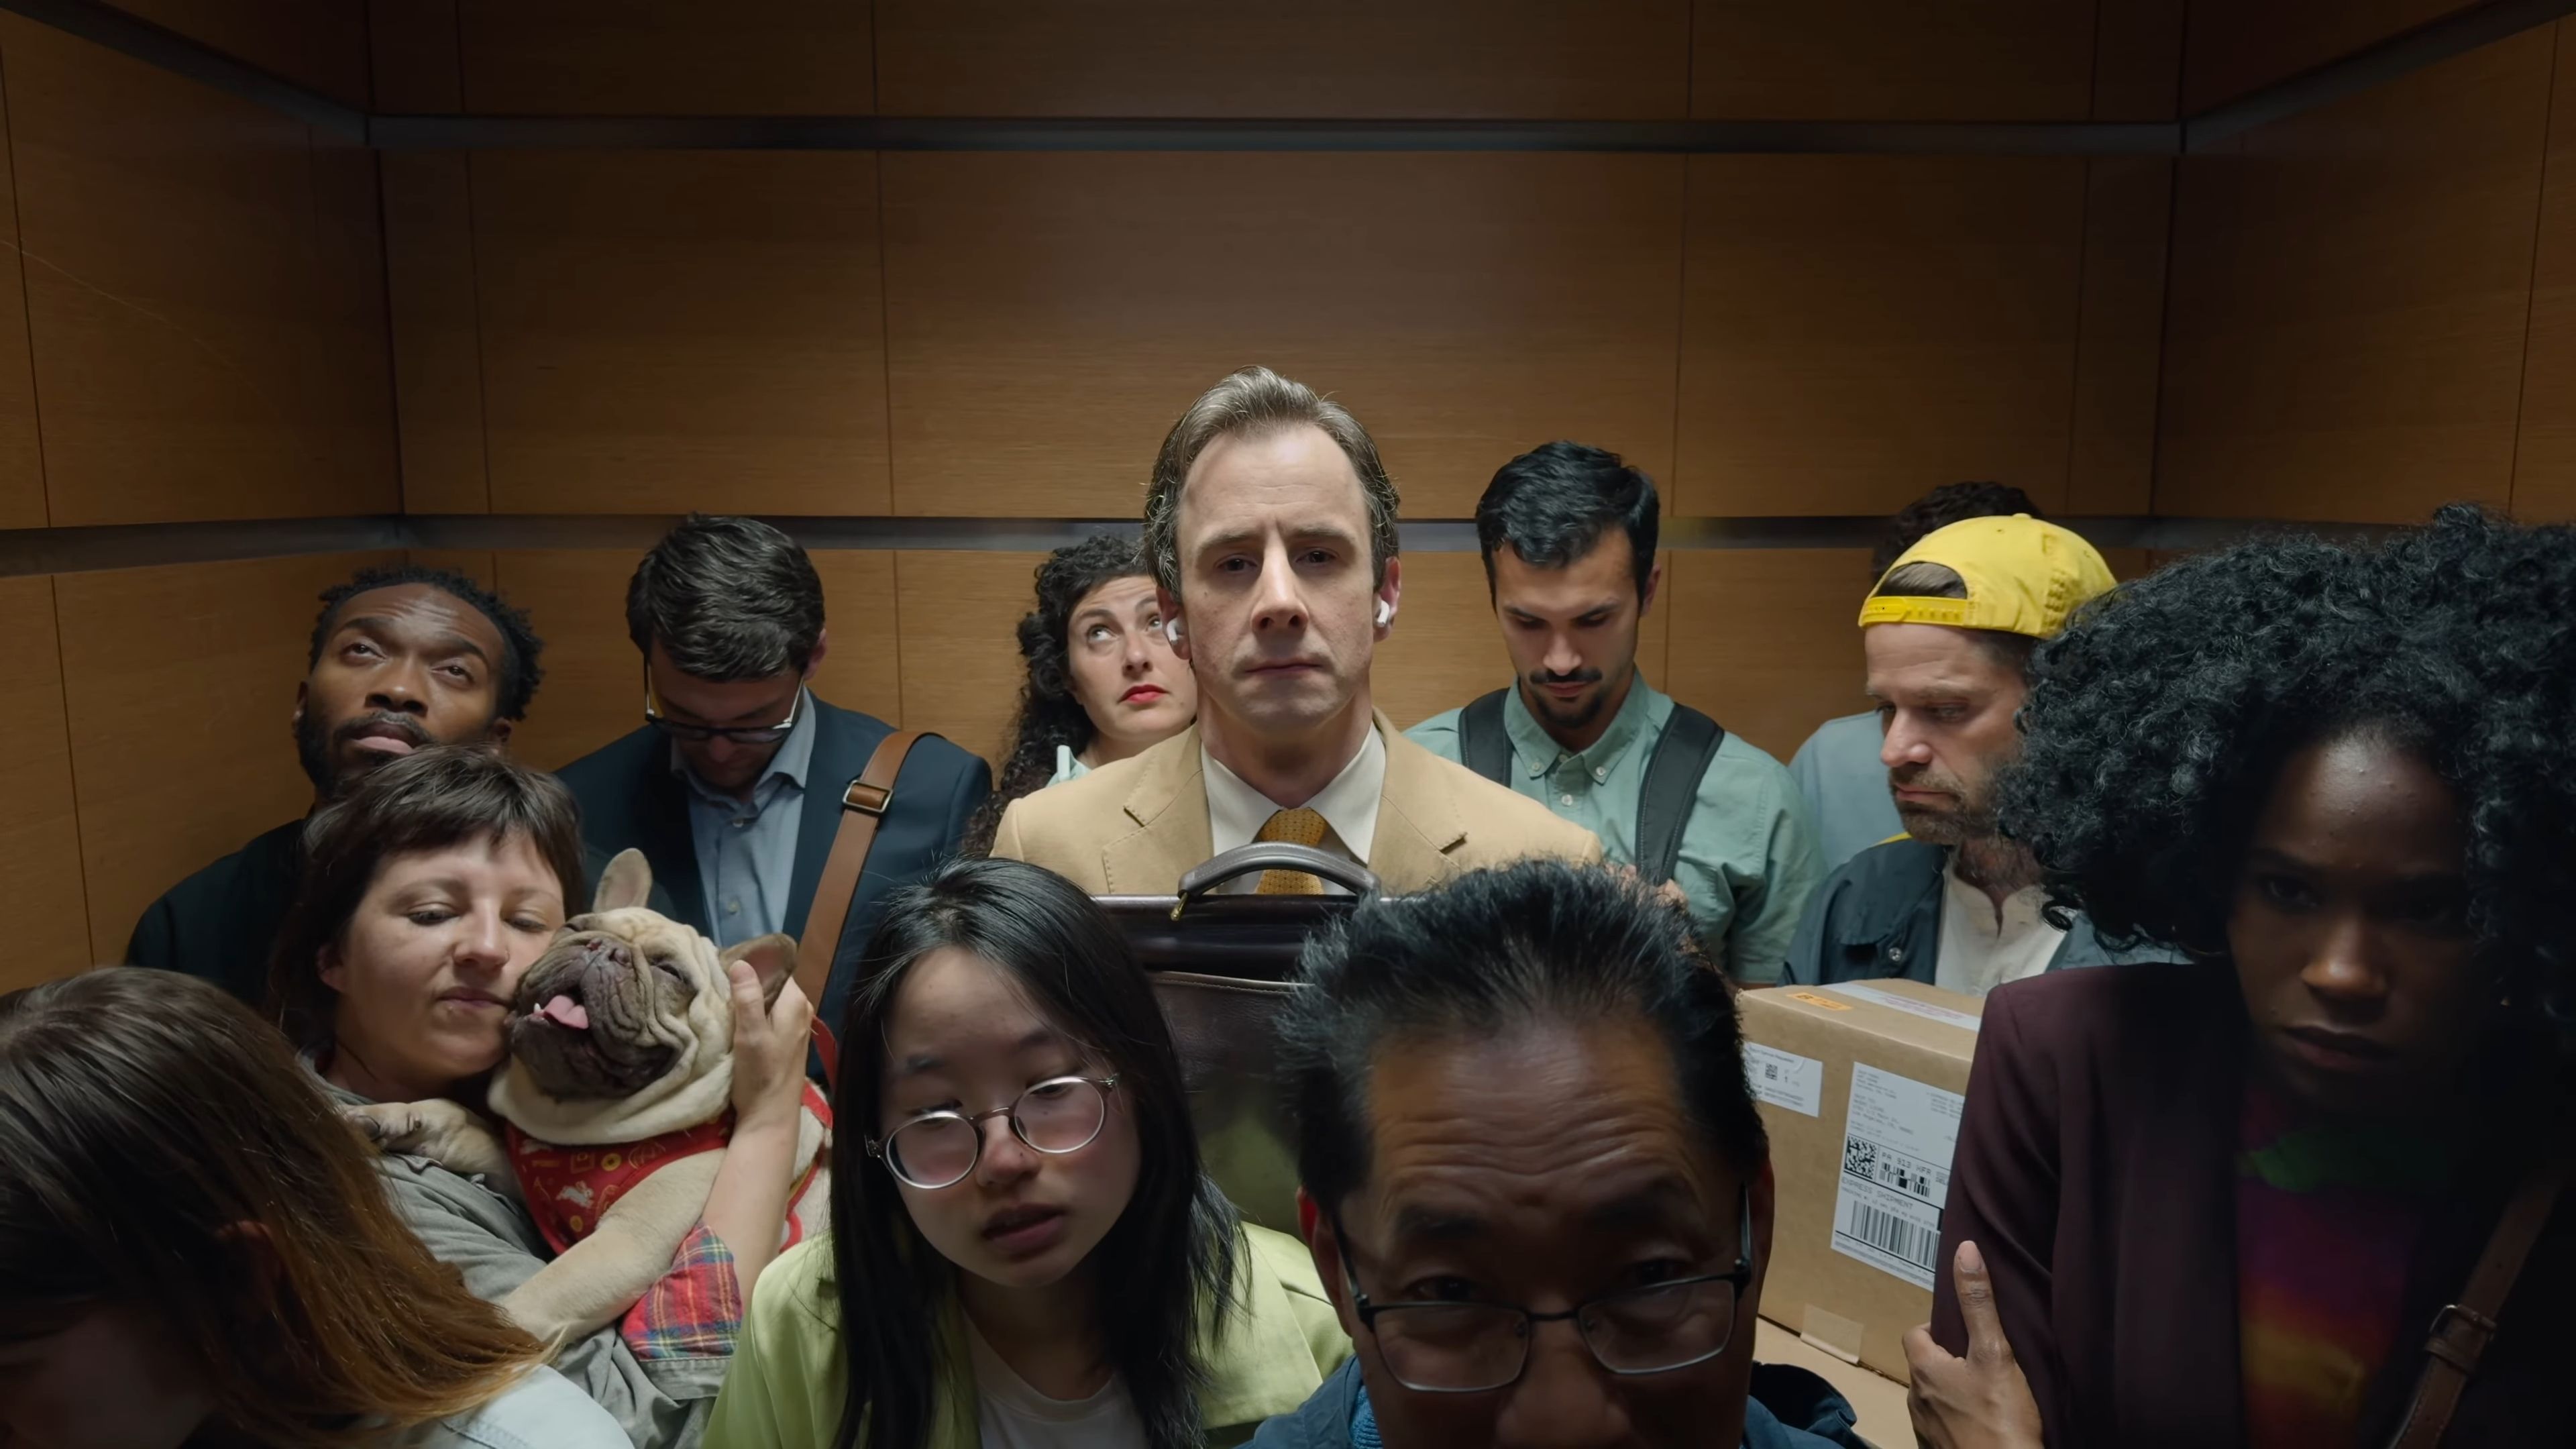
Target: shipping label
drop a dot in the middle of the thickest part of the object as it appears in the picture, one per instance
(1785, 1079)
(1863, 991)
(1897, 1141)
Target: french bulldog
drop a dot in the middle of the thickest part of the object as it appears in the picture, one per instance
(617, 1096)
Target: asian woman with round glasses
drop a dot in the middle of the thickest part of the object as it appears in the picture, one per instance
(1026, 1253)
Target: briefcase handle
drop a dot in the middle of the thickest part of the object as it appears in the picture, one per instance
(1262, 855)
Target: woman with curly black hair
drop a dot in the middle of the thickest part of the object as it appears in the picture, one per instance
(2223, 1203)
(1103, 682)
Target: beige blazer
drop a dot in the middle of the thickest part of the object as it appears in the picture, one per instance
(1135, 827)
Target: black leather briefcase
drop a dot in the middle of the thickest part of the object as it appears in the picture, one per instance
(1223, 966)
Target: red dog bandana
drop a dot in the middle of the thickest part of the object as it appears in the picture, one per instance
(569, 1189)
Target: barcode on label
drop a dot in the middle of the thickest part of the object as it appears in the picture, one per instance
(1894, 1235)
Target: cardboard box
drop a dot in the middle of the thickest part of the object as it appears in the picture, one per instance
(1860, 1086)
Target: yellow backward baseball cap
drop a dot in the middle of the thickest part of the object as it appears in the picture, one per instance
(2024, 576)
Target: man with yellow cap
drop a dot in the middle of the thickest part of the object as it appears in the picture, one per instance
(1948, 634)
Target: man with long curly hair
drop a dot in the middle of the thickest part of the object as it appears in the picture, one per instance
(2221, 1202)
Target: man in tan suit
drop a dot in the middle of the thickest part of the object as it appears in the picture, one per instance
(1270, 524)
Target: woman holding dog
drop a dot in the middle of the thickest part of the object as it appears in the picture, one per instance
(1103, 682)
(194, 1248)
(1025, 1252)
(427, 893)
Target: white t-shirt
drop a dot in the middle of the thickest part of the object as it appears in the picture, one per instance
(1011, 1415)
(1236, 811)
(1981, 947)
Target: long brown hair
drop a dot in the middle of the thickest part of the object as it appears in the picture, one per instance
(166, 1151)
(431, 800)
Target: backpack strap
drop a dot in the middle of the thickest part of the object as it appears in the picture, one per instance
(1484, 743)
(1671, 788)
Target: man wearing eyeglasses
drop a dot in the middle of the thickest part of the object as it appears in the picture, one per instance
(733, 787)
(1533, 1179)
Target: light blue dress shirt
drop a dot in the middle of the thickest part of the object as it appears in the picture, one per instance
(1845, 786)
(1748, 855)
(747, 848)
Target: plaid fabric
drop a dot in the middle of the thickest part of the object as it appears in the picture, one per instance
(692, 1311)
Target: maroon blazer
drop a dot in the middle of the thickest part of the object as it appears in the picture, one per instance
(2096, 1172)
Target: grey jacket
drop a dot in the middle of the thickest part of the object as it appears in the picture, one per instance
(1879, 915)
(660, 1403)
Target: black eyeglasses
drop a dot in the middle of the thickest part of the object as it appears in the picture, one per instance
(1475, 1348)
(698, 733)
(940, 1149)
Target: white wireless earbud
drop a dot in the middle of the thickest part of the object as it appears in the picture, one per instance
(1172, 630)
(1385, 613)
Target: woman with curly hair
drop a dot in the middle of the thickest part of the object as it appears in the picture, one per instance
(1103, 682)
(2223, 1203)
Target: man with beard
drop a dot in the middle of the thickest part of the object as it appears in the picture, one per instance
(1568, 536)
(1949, 634)
(401, 658)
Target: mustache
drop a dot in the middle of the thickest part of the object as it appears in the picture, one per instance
(1580, 676)
(1924, 777)
(403, 725)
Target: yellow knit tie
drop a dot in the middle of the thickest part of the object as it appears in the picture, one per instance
(1292, 827)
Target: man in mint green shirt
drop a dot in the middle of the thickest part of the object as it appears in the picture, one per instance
(1568, 536)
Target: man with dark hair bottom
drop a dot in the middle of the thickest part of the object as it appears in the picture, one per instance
(1568, 535)
(401, 658)
(734, 786)
(1837, 769)
(1533, 1179)
(1949, 635)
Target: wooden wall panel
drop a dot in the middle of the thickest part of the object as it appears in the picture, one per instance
(955, 647)
(193, 319)
(40, 853)
(2344, 338)
(347, 368)
(2128, 208)
(1050, 315)
(1608, 60)
(22, 464)
(667, 57)
(413, 51)
(437, 337)
(1857, 330)
(2137, 59)
(321, 44)
(2237, 46)
(1767, 641)
(2544, 465)
(676, 330)
(1868, 60)
(184, 750)
(594, 685)
(1447, 647)
(476, 564)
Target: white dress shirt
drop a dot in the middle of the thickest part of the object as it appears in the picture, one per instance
(1236, 811)
(1982, 947)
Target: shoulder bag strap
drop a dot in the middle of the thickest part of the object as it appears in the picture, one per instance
(2461, 1331)
(1484, 742)
(1670, 789)
(863, 805)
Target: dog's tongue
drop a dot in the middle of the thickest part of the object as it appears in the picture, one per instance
(565, 1012)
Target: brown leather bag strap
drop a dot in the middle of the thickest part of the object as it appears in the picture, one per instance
(2461, 1330)
(863, 805)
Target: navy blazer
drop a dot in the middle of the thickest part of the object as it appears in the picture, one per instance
(630, 798)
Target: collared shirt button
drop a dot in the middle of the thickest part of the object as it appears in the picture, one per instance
(733, 908)
(1895, 953)
(1564, 799)
(1600, 773)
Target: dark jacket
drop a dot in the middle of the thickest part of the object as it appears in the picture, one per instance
(630, 798)
(1879, 915)
(221, 924)
(1782, 1396)
(2095, 1170)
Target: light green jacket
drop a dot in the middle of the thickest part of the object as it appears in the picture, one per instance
(1748, 858)
(789, 1377)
